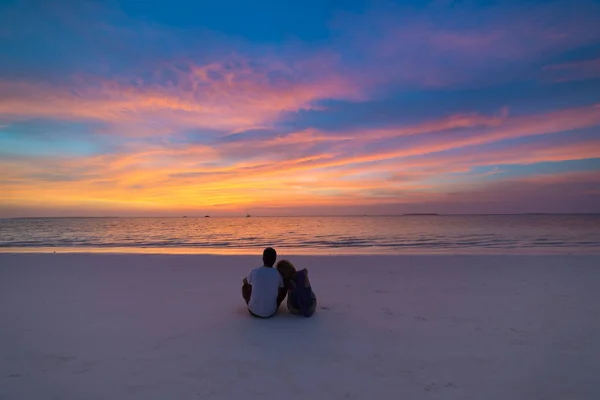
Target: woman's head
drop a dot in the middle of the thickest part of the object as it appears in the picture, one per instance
(286, 269)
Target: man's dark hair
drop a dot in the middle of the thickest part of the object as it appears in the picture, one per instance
(269, 256)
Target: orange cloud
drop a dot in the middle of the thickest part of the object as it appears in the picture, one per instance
(288, 183)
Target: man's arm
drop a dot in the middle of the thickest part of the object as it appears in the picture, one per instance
(248, 279)
(281, 295)
(282, 291)
(246, 290)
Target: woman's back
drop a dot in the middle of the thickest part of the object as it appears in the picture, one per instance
(301, 298)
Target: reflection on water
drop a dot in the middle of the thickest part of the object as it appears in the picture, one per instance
(307, 235)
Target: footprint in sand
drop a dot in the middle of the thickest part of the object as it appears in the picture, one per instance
(81, 371)
(516, 342)
(430, 388)
(132, 389)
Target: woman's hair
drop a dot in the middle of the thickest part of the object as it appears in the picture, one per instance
(286, 269)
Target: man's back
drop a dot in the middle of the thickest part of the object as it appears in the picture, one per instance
(265, 283)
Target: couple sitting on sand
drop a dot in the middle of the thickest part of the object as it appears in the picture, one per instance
(266, 287)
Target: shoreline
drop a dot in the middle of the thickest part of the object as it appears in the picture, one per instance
(330, 251)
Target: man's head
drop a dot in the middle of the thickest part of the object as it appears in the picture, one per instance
(269, 257)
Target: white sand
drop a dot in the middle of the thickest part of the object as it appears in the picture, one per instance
(101, 326)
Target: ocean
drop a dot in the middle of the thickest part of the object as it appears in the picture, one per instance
(308, 235)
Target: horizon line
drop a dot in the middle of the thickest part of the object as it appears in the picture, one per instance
(307, 216)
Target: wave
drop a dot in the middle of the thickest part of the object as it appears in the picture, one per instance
(431, 232)
(504, 244)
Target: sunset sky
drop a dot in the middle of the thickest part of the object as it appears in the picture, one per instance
(305, 107)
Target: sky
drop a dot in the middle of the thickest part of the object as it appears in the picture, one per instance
(313, 107)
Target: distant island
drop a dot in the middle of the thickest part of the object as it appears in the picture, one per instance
(421, 214)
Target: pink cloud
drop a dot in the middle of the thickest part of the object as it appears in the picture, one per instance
(344, 160)
(456, 46)
(481, 130)
(574, 71)
(232, 95)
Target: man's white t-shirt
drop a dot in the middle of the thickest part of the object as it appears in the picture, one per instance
(265, 283)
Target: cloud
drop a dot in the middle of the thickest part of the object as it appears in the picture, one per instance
(179, 120)
(437, 136)
(231, 95)
(566, 192)
(194, 177)
(576, 70)
(454, 45)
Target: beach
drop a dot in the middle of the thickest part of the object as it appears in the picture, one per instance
(151, 326)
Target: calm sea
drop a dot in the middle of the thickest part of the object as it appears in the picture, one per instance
(301, 235)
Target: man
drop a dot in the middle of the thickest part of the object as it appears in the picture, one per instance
(263, 288)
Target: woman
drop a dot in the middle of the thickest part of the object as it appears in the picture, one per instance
(300, 299)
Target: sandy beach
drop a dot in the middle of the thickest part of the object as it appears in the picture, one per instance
(123, 326)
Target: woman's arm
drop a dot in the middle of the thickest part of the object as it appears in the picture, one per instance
(306, 281)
